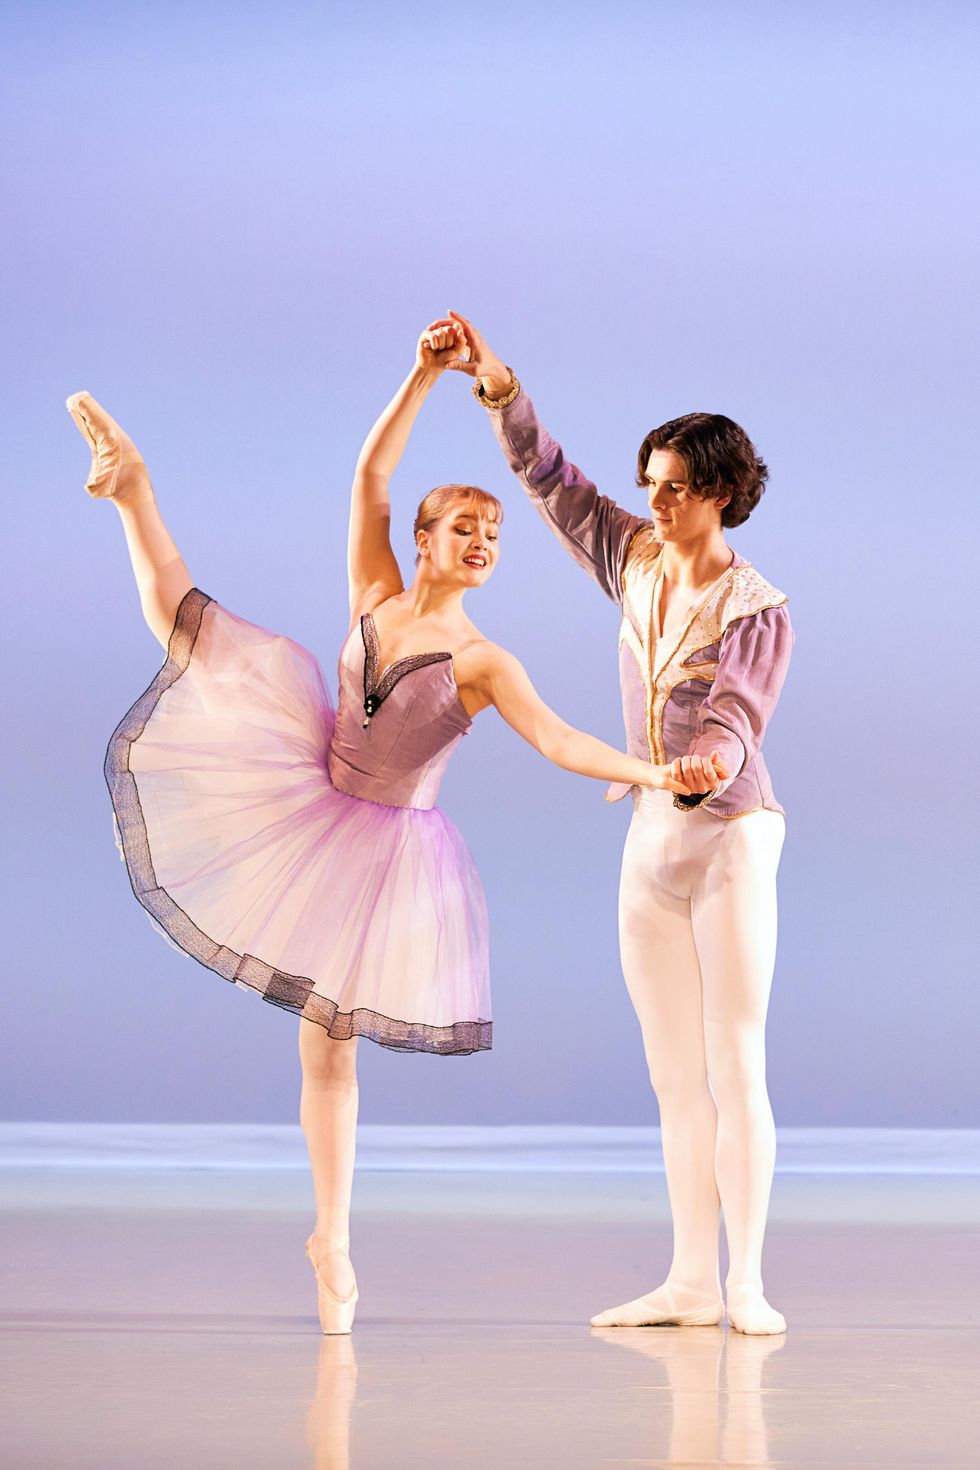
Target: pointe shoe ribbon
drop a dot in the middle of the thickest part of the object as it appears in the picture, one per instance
(336, 1312)
(113, 452)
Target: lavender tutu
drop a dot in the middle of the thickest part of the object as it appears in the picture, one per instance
(295, 849)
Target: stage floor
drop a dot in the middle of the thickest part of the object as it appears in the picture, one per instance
(167, 1319)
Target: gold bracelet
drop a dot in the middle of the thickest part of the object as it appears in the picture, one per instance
(502, 400)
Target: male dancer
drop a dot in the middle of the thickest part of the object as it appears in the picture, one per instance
(704, 646)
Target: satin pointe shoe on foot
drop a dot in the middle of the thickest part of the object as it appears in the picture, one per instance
(749, 1312)
(117, 471)
(671, 1305)
(336, 1312)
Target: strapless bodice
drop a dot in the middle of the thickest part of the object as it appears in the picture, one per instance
(396, 727)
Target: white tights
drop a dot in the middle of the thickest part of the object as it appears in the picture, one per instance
(698, 945)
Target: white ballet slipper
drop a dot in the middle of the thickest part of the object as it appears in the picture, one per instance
(671, 1305)
(749, 1312)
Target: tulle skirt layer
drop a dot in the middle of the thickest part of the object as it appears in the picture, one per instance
(367, 919)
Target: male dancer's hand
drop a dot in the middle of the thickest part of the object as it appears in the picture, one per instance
(700, 773)
(480, 361)
(440, 346)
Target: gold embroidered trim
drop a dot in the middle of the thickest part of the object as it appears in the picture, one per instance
(683, 807)
(661, 698)
(628, 617)
(730, 816)
(502, 399)
(779, 600)
(700, 648)
(740, 593)
(647, 530)
(630, 636)
(716, 589)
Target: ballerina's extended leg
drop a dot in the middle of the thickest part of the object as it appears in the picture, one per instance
(118, 473)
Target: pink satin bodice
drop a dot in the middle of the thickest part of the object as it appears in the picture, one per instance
(396, 727)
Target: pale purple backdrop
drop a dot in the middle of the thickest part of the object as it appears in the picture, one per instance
(229, 221)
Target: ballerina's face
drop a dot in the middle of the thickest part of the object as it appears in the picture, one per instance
(462, 545)
(679, 513)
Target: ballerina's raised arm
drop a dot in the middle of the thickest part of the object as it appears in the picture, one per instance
(372, 570)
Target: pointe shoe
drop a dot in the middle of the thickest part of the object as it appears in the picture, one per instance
(749, 1312)
(117, 471)
(336, 1312)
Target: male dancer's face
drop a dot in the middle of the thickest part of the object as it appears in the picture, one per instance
(678, 513)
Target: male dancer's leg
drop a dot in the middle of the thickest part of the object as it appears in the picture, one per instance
(660, 964)
(734, 916)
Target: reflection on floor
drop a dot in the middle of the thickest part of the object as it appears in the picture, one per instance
(167, 1319)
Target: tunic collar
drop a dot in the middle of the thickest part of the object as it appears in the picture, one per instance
(662, 650)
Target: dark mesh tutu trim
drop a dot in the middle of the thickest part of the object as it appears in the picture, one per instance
(291, 992)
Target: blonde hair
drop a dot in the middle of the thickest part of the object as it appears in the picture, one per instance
(439, 501)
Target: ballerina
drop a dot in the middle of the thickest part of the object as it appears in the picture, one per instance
(294, 847)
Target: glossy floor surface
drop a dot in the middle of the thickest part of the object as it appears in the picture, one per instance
(167, 1318)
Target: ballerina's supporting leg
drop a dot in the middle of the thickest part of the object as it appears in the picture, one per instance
(328, 1114)
(118, 473)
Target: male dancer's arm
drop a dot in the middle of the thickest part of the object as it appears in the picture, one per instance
(592, 527)
(753, 660)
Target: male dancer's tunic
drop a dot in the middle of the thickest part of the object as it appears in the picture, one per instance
(698, 883)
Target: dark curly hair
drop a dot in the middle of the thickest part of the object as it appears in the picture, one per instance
(720, 458)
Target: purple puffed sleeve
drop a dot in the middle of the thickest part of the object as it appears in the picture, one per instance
(753, 660)
(592, 528)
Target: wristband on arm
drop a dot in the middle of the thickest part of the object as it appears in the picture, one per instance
(502, 399)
